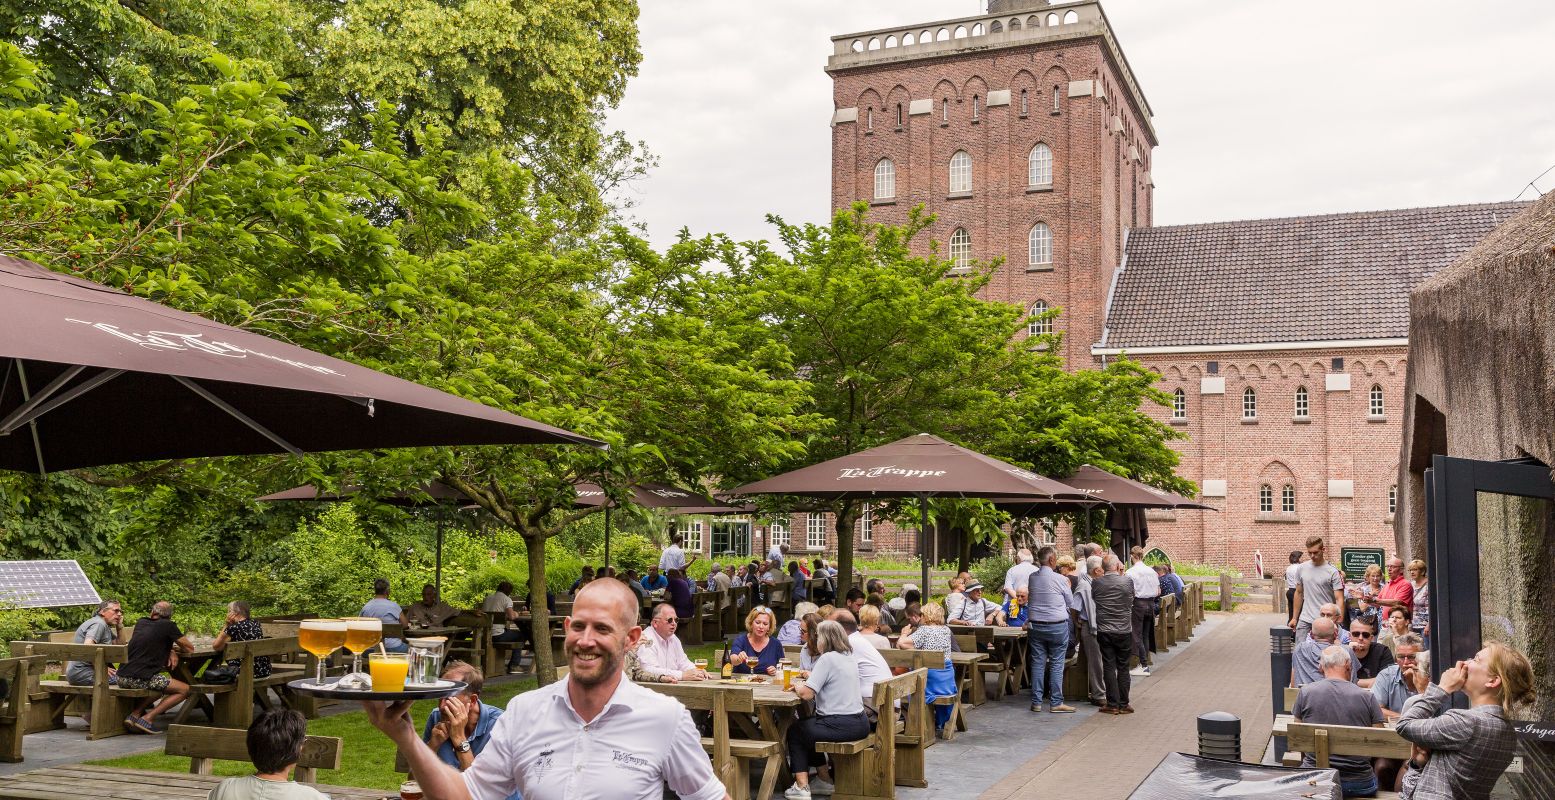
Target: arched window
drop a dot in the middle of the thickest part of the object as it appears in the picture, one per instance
(898, 115)
(1265, 499)
(1303, 408)
(960, 172)
(1039, 166)
(1052, 19)
(885, 179)
(1249, 403)
(1025, 103)
(1055, 100)
(1071, 18)
(944, 111)
(961, 248)
(1377, 407)
(976, 108)
(1039, 246)
(890, 41)
(1039, 324)
(909, 40)
(1288, 499)
(869, 119)
(1179, 404)
(1393, 499)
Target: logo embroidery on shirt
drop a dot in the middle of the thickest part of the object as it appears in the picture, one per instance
(627, 759)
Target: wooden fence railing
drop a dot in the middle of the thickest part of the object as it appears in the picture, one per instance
(1260, 591)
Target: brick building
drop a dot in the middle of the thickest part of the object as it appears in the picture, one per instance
(1026, 133)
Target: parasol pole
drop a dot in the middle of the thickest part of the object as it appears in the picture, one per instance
(607, 534)
(923, 540)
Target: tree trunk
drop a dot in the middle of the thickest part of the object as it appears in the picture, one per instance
(845, 514)
(539, 611)
(964, 556)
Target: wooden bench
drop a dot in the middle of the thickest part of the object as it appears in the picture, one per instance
(235, 709)
(994, 665)
(19, 674)
(1165, 633)
(470, 645)
(865, 769)
(107, 704)
(917, 733)
(732, 757)
(1325, 741)
(204, 746)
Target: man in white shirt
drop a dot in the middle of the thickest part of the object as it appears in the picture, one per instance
(506, 631)
(977, 610)
(871, 665)
(674, 557)
(778, 554)
(592, 735)
(661, 652)
(1019, 575)
(1147, 591)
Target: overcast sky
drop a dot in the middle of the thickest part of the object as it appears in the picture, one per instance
(1263, 107)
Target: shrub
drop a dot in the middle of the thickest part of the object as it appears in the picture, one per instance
(627, 551)
(327, 567)
(990, 572)
(22, 623)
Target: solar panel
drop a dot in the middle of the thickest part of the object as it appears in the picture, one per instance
(45, 584)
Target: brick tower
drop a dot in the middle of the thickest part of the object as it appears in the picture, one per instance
(1023, 130)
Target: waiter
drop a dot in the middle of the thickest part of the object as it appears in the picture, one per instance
(1147, 593)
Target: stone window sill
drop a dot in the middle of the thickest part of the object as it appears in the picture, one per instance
(1388, 519)
(1301, 420)
(944, 124)
(887, 201)
(1178, 421)
(976, 121)
(1249, 420)
(869, 131)
(899, 129)
(1039, 188)
(1278, 518)
(1370, 418)
(958, 271)
(1040, 268)
(958, 195)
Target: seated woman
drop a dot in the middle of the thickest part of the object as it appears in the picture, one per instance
(242, 629)
(790, 632)
(869, 627)
(839, 711)
(1460, 753)
(808, 643)
(934, 634)
(757, 651)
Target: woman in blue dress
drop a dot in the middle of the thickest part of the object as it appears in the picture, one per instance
(757, 651)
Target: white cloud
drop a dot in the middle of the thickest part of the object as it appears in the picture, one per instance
(1263, 108)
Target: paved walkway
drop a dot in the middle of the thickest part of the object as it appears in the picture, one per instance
(1224, 668)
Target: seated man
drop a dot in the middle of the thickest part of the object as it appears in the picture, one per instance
(635, 582)
(458, 729)
(661, 653)
(976, 610)
(431, 612)
(1331, 611)
(274, 746)
(1396, 683)
(1336, 700)
(653, 581)
(1306, 662)
(507, 630)
(387, 610)
(100, 628)
(1373, 655)
(153, 649)
(1015, 608)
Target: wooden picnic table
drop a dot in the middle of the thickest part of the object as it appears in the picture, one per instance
(111, 783)
(1010, 647)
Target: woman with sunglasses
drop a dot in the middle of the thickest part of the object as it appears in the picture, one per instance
(757, 651)
(1460, 753)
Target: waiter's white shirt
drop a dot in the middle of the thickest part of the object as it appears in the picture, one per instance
(673, 558)
(871, 665)
(640, 741)
(1146, 582)
(662, 657)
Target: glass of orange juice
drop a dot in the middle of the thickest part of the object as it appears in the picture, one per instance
(388, 671)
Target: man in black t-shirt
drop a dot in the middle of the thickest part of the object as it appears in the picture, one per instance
(154, 648)
(1373, 655)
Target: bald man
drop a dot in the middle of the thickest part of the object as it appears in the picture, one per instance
(591, 734)
(1306, 662)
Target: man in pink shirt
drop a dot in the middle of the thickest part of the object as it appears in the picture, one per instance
(661, 652)
(1397, 592)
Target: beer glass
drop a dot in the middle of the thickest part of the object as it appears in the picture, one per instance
(321, 637)
(361, 634)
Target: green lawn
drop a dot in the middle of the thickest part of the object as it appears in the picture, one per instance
(368, 757)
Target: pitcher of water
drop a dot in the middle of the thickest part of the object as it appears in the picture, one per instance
(426, 659)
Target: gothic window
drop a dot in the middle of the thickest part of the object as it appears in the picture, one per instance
(1025, 103)
(1179, 404)
(960, 172)
(1055, 99)
(976, 108)
(1265, 499)
(1393, 499)
(1249, 403)
(961, 249)
(1039, 323)
(898, 115)
(1376, 407)
(885, 179)
(869, 119)
(1303, 408)
(944, 110)
(1039, 245)
(1288, 499)
(1039, 166)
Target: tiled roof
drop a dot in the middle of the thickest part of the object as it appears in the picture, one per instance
(1298, 279)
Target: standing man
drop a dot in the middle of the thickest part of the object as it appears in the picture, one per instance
(1114, 595)
(1147, 592)
(1398, 592)
(779, 554)
(1084, 597)
(1019, 575)
(1047, 629)
(154, 649)
(100, 628)
(674, 557)
(1317, 583)
(591, 734)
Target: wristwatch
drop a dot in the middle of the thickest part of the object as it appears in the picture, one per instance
(462, 747)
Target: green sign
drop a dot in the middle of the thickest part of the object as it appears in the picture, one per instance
(1355, 560)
